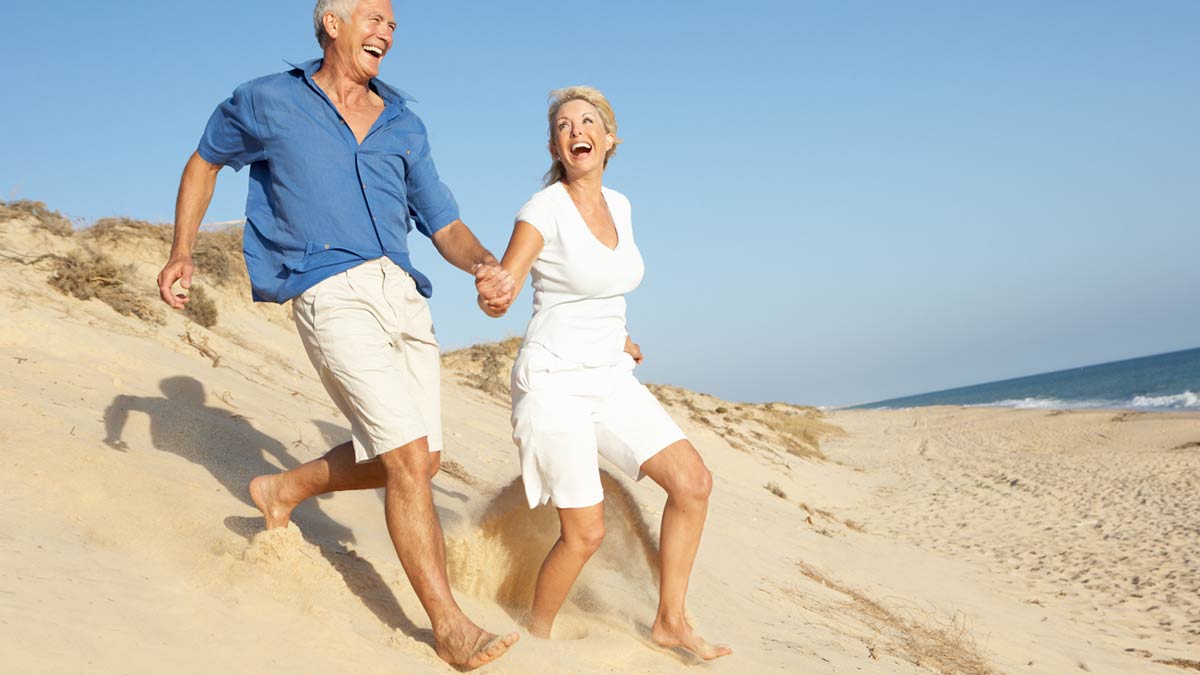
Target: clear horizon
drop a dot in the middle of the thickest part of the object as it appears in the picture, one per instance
(1016, 378)
(835, 203)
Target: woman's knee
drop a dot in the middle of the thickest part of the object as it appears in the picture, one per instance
(693, 483)
(584, 540)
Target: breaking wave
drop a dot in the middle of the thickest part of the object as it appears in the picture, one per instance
(1187, 400)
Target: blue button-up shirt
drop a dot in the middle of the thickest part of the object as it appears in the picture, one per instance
(320, 202)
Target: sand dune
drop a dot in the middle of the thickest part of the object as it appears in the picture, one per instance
(943, 540)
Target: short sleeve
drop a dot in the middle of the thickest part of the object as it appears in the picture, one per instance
(431, 204)
(231, 137)
(539, 213)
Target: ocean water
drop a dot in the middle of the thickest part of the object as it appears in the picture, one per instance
(1163, 382)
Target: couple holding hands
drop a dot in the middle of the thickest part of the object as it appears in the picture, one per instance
(340, 171)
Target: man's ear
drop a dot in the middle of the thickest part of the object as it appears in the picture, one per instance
(331, 23)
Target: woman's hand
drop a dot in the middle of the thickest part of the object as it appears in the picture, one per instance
(633, 350)
(489, 309)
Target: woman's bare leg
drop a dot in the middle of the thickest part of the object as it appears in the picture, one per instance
(582, 530)
(679, 469)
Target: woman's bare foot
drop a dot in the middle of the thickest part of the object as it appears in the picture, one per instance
(471, 646)
(264, 490)
(683, 637)
(539, 629)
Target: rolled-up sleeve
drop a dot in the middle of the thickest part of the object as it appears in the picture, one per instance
(430, 202)
(232, 137)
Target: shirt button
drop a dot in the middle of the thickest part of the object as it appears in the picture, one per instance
(327, 247)
(408, 152)
(364, 186)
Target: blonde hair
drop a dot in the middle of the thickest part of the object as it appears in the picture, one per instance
(560, 97)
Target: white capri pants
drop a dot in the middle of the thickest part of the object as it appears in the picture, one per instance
(564, 416)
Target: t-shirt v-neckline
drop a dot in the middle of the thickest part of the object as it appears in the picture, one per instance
(567, 195)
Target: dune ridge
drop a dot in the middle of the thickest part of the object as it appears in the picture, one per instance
(929, 540)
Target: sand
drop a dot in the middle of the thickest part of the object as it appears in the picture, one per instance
(931, 540)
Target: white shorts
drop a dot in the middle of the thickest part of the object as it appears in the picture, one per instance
(564, 416)
(369, 334)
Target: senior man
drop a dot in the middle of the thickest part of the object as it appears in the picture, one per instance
(339, 165)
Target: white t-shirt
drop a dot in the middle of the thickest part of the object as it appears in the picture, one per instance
(579, 284)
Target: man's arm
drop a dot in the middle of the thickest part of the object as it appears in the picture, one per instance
(460, 248)
(195, 192)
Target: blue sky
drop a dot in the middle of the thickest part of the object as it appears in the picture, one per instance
(837, 202)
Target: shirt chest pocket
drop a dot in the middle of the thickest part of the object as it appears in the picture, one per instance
(386, 172)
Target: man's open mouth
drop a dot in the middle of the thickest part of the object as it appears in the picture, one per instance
(377, 52)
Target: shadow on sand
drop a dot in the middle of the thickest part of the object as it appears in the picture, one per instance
(229, 447)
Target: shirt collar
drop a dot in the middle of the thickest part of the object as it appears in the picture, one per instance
(390, 94)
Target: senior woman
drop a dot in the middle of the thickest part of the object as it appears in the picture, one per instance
(573, 390)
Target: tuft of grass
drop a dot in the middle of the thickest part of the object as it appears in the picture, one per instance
(218, 256)
(119, 229)
(485, 366)
(774, 489)
(1186, 664)
(95, 275)
(46, 219)
(917, 637)
(201, 308)
(455, 470)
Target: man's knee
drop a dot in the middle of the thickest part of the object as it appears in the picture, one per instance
(409, 462)
(435, 463)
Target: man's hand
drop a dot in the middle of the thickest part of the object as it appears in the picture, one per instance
(178, 269)
(495, 286)
(632, 349)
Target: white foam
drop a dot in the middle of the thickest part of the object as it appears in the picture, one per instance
(1187, 399)
(1033, 403)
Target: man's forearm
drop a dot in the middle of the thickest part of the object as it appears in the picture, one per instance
(460, 248)
(195, 192)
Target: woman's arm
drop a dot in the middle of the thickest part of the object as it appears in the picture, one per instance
(523, 248)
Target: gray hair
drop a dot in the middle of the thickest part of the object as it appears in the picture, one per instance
(341, 8)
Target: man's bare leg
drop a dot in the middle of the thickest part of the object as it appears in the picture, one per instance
(417, 535)
(276, 495)
(581, 531)
(679, 469)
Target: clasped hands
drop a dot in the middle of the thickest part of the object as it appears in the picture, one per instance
(495, 286)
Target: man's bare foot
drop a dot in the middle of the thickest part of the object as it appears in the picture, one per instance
(472, 647)
(686, 638)
(264, 490)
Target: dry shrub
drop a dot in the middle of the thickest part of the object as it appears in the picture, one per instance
(915, 636)
(774, 489)
(1186, 664)
(218, 255)
(800, 429)
(455, 470)
(486, 366)
(45, 219)
(95, 275)
(119, 229)
(201, 308)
